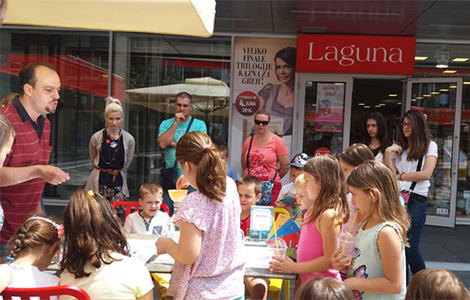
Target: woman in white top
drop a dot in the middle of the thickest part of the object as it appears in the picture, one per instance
(403, 160)
(376, 135)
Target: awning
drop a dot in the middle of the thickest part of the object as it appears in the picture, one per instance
(178, 17)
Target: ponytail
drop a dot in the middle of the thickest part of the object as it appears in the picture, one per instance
(196, 147)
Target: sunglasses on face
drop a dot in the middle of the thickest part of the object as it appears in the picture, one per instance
(264, 123)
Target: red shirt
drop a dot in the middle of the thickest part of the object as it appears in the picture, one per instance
(245, 225)
(20, 201)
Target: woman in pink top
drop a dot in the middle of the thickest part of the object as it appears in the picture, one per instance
(327, 208)
(266, 152)
(208, 257)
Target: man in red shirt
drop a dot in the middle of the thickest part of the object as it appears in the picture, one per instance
(26, 168)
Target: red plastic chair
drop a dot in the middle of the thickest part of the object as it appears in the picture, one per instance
(165, 208)
(44, 293)
(129, 205)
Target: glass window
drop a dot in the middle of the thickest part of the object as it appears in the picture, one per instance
(81, 60)
(324, 118)
(153, 70)
(463, 186)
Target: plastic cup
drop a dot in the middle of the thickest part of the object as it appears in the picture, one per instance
(177, 195)
(278, 249)
(346, 245)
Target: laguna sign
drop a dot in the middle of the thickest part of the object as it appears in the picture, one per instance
(355, 54)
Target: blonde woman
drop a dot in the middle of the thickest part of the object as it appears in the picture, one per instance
(111, 153)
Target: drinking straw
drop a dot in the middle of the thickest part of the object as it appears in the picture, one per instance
(275, 236)
(349, 232)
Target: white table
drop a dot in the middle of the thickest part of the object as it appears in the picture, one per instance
(257, 264)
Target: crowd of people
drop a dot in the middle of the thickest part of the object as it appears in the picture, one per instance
(381, 205)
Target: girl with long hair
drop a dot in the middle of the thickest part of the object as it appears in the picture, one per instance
(208, 255)
(96, 254)
(413, 163)
(377, 269)
(327, 208)
(376, 135)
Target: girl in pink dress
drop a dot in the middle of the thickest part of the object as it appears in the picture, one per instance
(208, 256)
(327, 208)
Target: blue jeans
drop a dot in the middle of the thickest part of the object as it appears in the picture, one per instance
(417, 209)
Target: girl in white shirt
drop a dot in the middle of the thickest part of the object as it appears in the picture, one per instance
(33, 247)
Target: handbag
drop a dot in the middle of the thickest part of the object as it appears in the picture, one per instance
(406, 194)
(266, 186)
(169, 176)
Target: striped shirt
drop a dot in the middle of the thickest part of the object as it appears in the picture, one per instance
(31, 147)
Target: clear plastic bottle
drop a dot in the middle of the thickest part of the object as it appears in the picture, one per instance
(173, 231)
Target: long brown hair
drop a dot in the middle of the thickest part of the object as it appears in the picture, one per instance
(375, 175)
(91, 233)
(356, 154)
(327, 170)
(196, 147)
(419, 140)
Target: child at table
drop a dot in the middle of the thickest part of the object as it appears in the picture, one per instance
(327, 208)
(96, 253)
(150, 220)
(287, 198)
(33, 247)
(378, 268)
(249, 191)
(223, 152)
(209, 262)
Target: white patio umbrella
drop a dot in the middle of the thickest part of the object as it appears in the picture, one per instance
(179, 17)
(210, 96)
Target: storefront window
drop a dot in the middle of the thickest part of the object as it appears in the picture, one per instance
(463, 186)
(156, 68)
(81, 61)
(324, 118)
(140, 63)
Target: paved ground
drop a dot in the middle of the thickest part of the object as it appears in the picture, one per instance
(448, 248)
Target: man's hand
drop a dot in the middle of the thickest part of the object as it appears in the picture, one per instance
(54, 175)
(180, 118)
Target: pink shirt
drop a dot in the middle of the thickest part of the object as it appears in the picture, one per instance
(311, 247)
(218, 271)
(263, 160)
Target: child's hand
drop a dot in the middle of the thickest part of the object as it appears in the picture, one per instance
(340, 262)
(181, 183)
(162, 245)
(280, 265)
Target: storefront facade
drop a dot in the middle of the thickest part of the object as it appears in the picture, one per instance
(129, 66)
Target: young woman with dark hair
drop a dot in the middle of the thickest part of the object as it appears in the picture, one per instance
(413, 163)
(375, 135)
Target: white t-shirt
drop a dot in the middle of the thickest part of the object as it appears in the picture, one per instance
(402, 165)
(124, 279)
(27, 276)
(157, 225)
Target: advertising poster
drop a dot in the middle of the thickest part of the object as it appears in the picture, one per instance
(263, 77)
(329, 113)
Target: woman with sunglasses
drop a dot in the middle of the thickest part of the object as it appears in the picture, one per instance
(413, 163)
(265, 151)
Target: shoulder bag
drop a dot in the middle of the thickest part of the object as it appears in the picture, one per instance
(406, 194)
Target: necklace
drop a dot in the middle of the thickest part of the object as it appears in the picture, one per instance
(112, 144)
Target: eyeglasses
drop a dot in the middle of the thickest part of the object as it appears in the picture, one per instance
(405, 124)
(264, 123)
